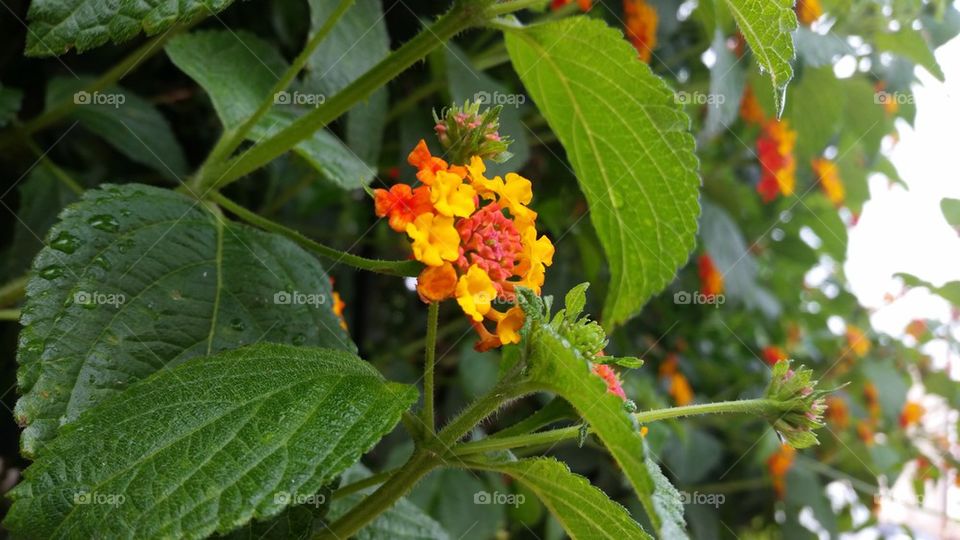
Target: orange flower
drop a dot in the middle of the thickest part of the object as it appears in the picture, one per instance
(584, 5)
(872, 397)
(609, 376)
(772, 354)
(826, 172)
(865, 432)
(857, 341)
(641, 20)
(338, 305)
(402, 203)
(837, 412)
(777, 165)
(711, 280)
(508, 326)
(437, 283)
(890, 105)
(779, 464)
(911, 414)
(750, 110)
(916, 328)
(808, 11)
(680, 390)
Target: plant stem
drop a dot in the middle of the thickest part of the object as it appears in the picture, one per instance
(504, 8)
(429, 354)
(421, 92)
(747, 406)
(13, 290)
(360, 485)
(59, 173)
(463, 15)
(9, 314)
(55, 113)
(420, 463)
(392, 268)
(232, 138)
(483, 407)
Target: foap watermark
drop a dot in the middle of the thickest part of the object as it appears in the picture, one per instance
(900, 98)
(713, 499)
(95, 298)
(99, 98)
(512, 499)
(297, 298)
(698, 98)
(87, 497)
(299, 499)
(499, 98)
(698, 298)
(298, 98)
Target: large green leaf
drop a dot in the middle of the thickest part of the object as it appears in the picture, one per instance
(582, 509)
(238, 70)
(910, 44)
(814, 112)
(355, 44)
(208, 445)
(56, 26)
(10, 99)
(403, 520)
(766, 25)
(627, 141)
(559, 368)
(137, 279)
(125, 120)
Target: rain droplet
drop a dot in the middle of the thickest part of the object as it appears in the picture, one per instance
(104, 222)
(52, 272)
(238, 325)
(299, 339)
(102, 262)
(65, 242)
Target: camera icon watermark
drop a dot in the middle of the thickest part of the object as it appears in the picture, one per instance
(299, 499)
(499, 98)
(712, 499)
(698, 98)
(512, 499)
(87, 497)
(99, 98)
(698, 298)
(94, 298)
(900, 98)
(299, 98)
(297, 298)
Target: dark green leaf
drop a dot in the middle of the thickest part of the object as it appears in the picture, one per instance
(56, 26)
(208, 445)
(626, 138)
(9, 104)
(128, 122)
(137, 279)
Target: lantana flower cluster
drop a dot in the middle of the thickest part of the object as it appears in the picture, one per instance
(640, 19)
(476, 235)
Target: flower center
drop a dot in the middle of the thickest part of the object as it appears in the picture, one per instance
(491, 241)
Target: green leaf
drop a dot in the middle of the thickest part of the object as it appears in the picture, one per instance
(10, 99)
(817, 49)
(403, 520)
(450, 496)
(626, 138)
(582, 509)
(814, 112)
(575, 301)
(910, 44)
(209, 445)
(726, 80)
(355, 44)
(951, 211)
(766, 25)
(128, 122)
(137, 279)
(56, 26)
(557, 367)
(241, 77)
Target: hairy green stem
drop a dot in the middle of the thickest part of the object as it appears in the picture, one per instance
(429, 356)
(360, 485)
(392, 268)
(12, 291)
(747, 406)
(464, 14)
(231, 138)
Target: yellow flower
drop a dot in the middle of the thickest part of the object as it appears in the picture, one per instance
(537, 253)
(434, 239)
(451, 196)
(475, 291)
(508, 327)
(516, 194)
(485, 187)
(826, 172)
